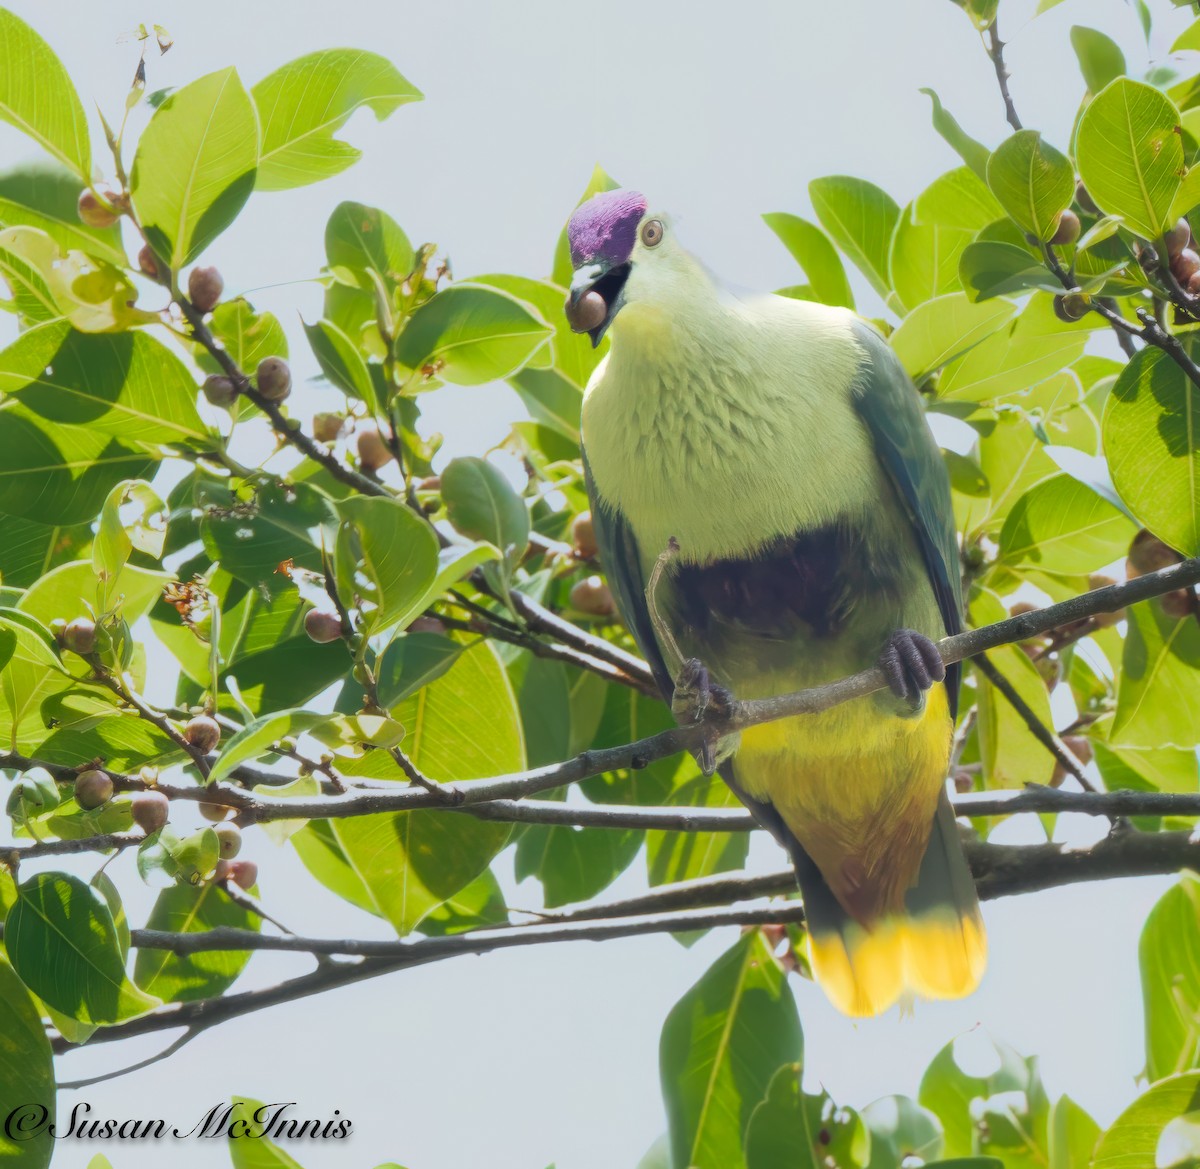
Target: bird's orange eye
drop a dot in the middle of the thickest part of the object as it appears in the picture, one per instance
(652, 232)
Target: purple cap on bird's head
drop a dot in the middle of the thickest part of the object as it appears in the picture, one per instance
(605, 227)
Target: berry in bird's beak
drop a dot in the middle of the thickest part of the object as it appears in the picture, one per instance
(588, 312)
(596, 298)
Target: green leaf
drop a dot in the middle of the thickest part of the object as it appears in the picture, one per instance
(60, 474)
(470, 334)
(412, 661)
(681, 856)
(1158, 692)
(1073, 1135)
(793, 1129)
(303, 104)
(1153, 446)
(359, 238)
(900, 1129)
(1130, 154)
(341, 362)
(1004, 1113)
(195, 166)
(1132, 1142)
(482, 505)
(118, 534)
(255, 740)
(44, 196)
(399, 556)
(1188, 40)
(247, 336)
(1062, 525)
(938, 331)
(1100, 57)
(68, 590)
(574, 864)
(412, 862)
(185, 909)
(992, 268)
(958, 199)
(36, 96)
(1032, 180)
(1012, 756)
(861, 218)
(129, 385)
(62, 941)
(1169, 959)
(811, 249)
(26, 1071)
(973, 153)
(252, 1148)
(721, 1044)
(480, 904)
(923, 260)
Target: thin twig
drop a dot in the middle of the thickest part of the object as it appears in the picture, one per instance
(995, 50)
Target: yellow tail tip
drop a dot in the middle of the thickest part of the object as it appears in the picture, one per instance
(935, 956)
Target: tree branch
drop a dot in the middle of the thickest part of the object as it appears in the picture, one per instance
(995, 50)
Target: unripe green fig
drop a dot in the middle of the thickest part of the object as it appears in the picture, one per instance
(93, 212)
(79, 636)
(214, 812)
(1067, 229)
(244, 874)
(322, 626)
(93, 788)
(592, 596)
(327, 427)
(1147, 553)
(229, 838)
(373, 452)
(273, 378)
(150, 811)
(205, 286)
(203, 732)
(1177, 237)
(219, 390)
(1072, 306)
(583, 534)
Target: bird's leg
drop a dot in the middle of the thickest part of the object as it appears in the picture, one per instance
(911, 664)
(697, 698)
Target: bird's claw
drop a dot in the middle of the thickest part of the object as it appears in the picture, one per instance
(697, 698)
(911, 664)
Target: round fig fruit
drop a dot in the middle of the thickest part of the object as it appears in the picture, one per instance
(592, 596)
(148, 262)
(1085, 200)
(1147, 553)
(327, 427)
(93, 788)
(373, 452)
(244, 874)
(205, 286)
(203, 732)
(1072, 306)
(1178, 237)
(219, 390)
(1178, 603)
(150, 811)
(79, 636)
(1080, 746)
(93, 211)
(1067, 230)
(322, 626)
(229, 838)
(1185, 265)
(214, 812)
(273, 378)
(583, 534)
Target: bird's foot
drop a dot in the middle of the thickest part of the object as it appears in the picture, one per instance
(911, 664)
(697, 698)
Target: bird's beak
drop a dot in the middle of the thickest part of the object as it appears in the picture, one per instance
(595, 297)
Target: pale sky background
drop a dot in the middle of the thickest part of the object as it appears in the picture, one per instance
(720, 112)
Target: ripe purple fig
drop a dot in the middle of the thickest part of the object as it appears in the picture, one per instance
(1085, 201)
(1178, 603)
(219, 390)
(80, 636)
(150, 811)
(592, 596)
(373, 452)
(273, 378)
(244, 874)
(148, 262)
(1148, 553)
(205, 286)
(93, 788)
(92, 211)
(1185, 265)
(583, 533)
(1067, 231)
(1178, 237)
(322, 626)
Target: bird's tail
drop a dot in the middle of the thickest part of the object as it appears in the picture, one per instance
(936, 948)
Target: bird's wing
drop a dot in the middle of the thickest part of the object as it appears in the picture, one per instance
(891, 408)
(623, 567)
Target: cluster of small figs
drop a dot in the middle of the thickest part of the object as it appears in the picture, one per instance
(1182, 257)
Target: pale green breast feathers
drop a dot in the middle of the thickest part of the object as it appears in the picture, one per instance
(730, 424)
